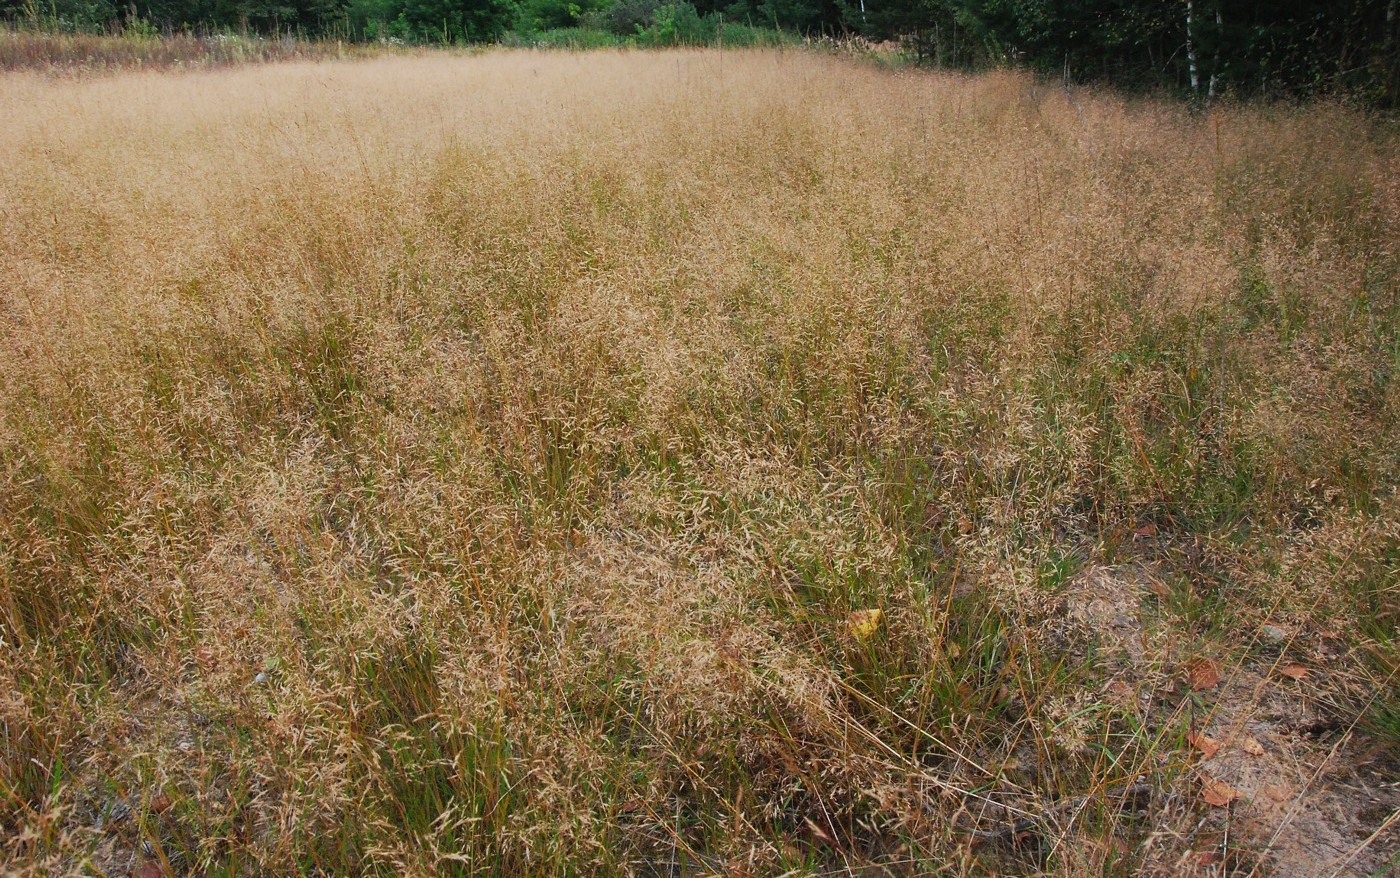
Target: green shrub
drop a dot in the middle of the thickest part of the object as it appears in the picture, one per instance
(538, 16)
(575, 38)
(677, 24)
(624, 17)
(732, 33)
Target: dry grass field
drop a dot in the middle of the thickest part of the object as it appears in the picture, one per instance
(690, 463)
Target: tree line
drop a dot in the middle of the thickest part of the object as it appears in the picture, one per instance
(1205, 48)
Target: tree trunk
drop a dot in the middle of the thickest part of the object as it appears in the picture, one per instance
(1215, 56)
(1391, 67)
(1191, 48)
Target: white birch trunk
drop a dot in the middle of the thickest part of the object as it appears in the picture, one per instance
(1191, 48)
(1215, 61)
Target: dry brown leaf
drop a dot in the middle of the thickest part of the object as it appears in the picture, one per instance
(863, 623)
(1203, 674)
(1278, 792)
(1205, 743)
(1217, 793)
(1294, 671)
(1251, 746)
(160, 803)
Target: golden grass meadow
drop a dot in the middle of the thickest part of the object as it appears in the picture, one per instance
(693, 463)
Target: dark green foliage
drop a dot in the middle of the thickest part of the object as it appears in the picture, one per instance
(421, 21)
(452, 21)
(626, 17)
(1207, 47)
(536, 16)
(677, 24)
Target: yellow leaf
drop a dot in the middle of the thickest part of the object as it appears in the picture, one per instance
(863, 623)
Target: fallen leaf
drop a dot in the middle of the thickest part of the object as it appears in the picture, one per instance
(863, 623)
(160, 803)
(1206, 744)
(1294, 671)
(1251, 746)
(1278, 792)
(1203, 674)
(1217, 793)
